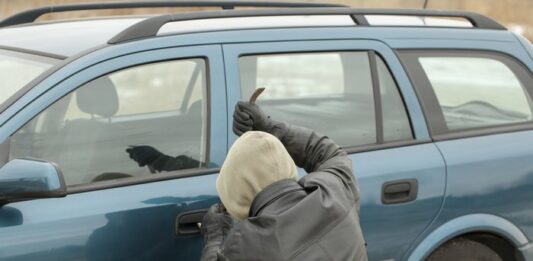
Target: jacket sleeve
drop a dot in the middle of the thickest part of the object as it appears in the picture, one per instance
(326, 162)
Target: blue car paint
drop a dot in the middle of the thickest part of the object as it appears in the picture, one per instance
(127, 223)
(526, 44)
(30, 176)
(382, 224)
(492, 175)
(86, 214)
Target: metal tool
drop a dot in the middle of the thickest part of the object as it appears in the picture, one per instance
(256, 94)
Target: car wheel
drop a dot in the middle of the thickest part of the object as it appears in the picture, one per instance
(464, 250)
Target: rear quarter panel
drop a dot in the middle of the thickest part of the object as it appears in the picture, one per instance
(490, 175)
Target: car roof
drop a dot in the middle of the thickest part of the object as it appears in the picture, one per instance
(64, 38)
(67, 38)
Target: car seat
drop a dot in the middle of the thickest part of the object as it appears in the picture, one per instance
(84, 153)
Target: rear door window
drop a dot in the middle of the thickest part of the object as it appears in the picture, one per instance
(472, 91)
(330, 92)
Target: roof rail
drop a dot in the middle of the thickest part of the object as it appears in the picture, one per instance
(31, 15)
(149, 27)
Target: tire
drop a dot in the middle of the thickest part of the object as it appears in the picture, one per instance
(464, 250)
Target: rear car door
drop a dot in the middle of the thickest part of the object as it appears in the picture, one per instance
(355, 92)
(101, 127)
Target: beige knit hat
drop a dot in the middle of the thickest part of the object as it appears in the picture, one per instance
(256, 160)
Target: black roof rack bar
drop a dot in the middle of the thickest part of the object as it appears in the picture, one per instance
(149, 27)
(31, 15)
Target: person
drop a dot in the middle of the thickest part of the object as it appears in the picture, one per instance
(266, 212)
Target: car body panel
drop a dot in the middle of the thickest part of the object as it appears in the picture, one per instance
(124, 223)
(494, 178)
(384, 224)
(487, 174)
(527, 45)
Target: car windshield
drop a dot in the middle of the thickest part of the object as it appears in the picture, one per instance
(18, 69)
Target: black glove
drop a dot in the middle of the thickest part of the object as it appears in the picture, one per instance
(216, 225)
(144, 155)
(248, 116)
(167, 163)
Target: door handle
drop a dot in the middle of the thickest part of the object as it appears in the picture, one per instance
(189, 223)
(399, 191)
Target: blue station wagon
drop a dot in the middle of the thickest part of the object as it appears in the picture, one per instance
(435, 109)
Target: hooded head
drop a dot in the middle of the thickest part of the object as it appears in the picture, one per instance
(256, 160)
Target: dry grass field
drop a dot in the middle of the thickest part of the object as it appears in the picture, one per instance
(515, 14)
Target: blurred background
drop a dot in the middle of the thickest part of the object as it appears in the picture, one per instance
(517, 15)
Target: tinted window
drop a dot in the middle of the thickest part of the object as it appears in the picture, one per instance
(331, 93)
(114, 126)
(476, 91)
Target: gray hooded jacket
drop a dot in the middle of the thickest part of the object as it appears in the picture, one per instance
(315, 218)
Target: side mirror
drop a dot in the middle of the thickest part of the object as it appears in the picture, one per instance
(30, 179)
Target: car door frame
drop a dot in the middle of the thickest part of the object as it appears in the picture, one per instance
(216, 96)
(421, 141)
(233, 51)
(199, 182)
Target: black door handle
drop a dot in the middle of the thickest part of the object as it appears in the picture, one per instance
(399, 191)
(189, 223)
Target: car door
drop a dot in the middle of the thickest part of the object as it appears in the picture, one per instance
(102, 127)
(355, 92)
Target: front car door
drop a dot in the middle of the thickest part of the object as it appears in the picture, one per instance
(354, 91)
(102, 126)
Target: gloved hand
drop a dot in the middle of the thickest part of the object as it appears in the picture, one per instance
(248, 116)
(216, 225)
(216, 220)
(144, 155)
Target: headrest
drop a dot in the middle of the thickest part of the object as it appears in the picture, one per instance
(98, 97)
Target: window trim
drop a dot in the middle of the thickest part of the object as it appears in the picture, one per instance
(124, 182)
(433, 114)
(376, 90)
(121, 182)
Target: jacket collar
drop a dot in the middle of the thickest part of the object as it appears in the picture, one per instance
(272, 192)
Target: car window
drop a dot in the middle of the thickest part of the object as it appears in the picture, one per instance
(396, 125)
(134, 122)
(18, 69)
(330, 92)
(476, 91)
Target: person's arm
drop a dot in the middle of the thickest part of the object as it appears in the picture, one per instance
(314, 152)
